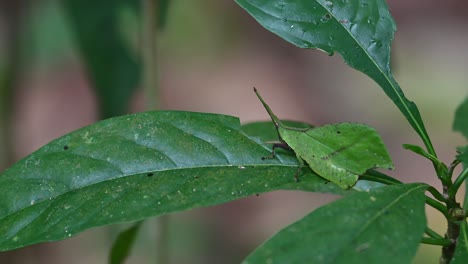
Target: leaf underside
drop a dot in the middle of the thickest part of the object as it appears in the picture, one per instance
(384, 225)
(138, 166)
(361, 31)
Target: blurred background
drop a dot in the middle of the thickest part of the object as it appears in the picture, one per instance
(211, 54)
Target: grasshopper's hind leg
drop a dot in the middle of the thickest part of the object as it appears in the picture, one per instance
(301, 164)
(282, 145)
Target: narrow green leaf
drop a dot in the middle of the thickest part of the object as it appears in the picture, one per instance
(134, 167)
(384, 225)
(461, 252)
(441, 167)
(112, 69)
(266, 131)
(463, 157)
(460, 123)
(123, 244)
(361, 31)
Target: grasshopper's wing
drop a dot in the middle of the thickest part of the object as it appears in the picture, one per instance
(339, 152)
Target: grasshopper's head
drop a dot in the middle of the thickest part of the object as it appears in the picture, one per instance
(273, 117)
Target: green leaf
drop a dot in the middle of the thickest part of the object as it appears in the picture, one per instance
(440, 166)
(134, 167)
(460, 123)
(360, 31)
(461, 251)
(266, 131)
(384, 225)
(123, 244)
(112, 69)
(463, 155)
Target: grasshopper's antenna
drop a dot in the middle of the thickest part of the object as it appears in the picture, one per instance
(274, 118)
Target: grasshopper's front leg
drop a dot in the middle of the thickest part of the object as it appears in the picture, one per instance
(282, 145)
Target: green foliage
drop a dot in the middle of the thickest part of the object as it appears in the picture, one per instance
(440, 166)
(360, 31)
(137, 166)
(113, 70)
(354, 229)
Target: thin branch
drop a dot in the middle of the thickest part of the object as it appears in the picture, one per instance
(150, 54)
(458, 182)
(437, 194)
(438, 242)
(433, 234)
(437, 205)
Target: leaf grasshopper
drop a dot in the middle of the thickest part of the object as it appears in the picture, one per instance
(339, 152)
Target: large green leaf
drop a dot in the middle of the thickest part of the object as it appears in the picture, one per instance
(112, 69)
(137, 166)
(460, 123)
(384, 225)
(361, 31)
(461, 252)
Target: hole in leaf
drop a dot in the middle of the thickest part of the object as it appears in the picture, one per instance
(65, 147)
(149, 174)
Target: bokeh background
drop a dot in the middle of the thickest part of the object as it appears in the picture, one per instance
(211, 55)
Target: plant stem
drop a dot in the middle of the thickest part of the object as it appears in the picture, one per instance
(458, 182)
(433, 234)
(453, 217)
(436, 194)
(9, 76)
(150, 10)
(150, 54)
(438, 242)
(436, 205)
